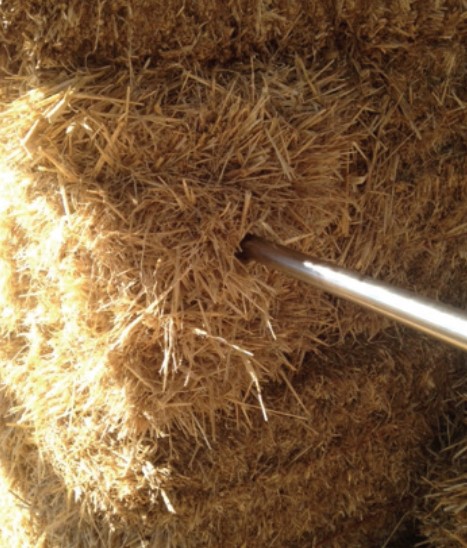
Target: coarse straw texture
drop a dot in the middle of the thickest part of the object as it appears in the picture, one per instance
(157, 391)
(444, 514)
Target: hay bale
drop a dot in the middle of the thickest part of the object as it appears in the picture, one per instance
(46, 33)
(337, 463)
(34, 506)
(444, 512)
(173, 392)
(76, 32)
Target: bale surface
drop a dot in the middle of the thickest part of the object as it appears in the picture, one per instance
(46, 33)
(444, 512)
(156, 389)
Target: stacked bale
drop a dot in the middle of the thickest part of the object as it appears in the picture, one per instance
(444, 513)
(173, 394)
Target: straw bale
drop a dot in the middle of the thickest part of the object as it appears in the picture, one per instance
(77, 32)
(142, 194)
(173, 394)
(36, 508)
(444, 512)
(49, 33)
(142, 351)
(27, 517)
(345, 476)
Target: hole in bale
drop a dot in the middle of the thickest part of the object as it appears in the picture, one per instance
(242, 254)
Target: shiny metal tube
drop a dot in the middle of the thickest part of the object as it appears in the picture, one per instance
(434, 319)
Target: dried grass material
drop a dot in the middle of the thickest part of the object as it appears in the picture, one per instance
(75, 32)
(342, 472)
(37, 510)
(142, 194)
(145, 358)
(27, 517)
(444, 515)
(155, 187)
(47, 33)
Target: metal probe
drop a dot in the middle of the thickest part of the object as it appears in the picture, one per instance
(435, 319)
